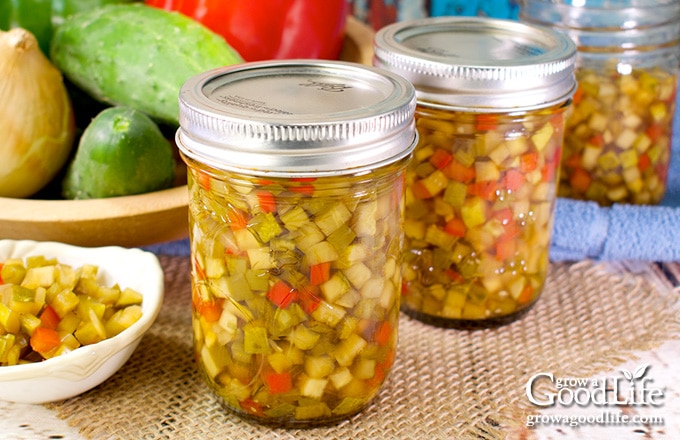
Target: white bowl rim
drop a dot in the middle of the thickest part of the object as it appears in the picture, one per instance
(63, 366)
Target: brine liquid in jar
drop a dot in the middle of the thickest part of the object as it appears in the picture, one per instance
(481, 188)
(296, 210)
(617, 147)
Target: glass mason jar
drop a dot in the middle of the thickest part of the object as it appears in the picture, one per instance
(481, 189)
(617, 145)
(295, 176)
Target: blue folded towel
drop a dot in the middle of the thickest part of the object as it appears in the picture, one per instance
(586, 230)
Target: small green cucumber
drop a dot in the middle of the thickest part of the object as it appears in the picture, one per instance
(121, 152)
(137, 56)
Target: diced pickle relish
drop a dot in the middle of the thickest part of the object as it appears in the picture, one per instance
(295, 290)
(480, 196)
(48, 308)
(617, 145)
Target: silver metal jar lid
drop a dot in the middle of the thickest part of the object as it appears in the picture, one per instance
(479, 64)
(296, 118)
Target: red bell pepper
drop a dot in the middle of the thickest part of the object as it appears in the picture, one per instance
(279, 382)
(319, 273)
(271, 29)
(266, 201)
(49, 318)
(282, 295)
(44, 340)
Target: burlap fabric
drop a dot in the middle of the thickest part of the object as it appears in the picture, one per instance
(446, 384)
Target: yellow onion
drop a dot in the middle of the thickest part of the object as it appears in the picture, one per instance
(37, 123)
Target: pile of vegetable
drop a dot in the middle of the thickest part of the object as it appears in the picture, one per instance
(618, 143)
(478, 217)
(90, 104)
(295, 291)
(49, 308)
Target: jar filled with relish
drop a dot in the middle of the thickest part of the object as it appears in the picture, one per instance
(481, 189)
(296, 178)
(617, 146)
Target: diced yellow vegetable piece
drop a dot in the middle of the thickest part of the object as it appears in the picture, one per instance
(541, 137)
(473, 212)
(312, 387)
(319, 367)
(348, 349)
(42, 276)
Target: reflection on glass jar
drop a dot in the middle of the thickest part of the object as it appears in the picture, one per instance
(617, 145)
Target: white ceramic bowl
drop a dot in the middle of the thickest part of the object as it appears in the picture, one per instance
(82, 369)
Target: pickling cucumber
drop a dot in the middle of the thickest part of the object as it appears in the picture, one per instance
(122, 152)
(137, 56)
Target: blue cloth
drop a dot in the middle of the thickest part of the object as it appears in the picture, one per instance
(585, 230)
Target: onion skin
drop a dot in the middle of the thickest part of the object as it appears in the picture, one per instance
(37, 122)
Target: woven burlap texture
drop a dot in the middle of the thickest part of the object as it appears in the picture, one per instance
(446, 384)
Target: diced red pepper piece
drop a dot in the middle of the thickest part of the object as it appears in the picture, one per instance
(49, 318)
(382, 333)
(303, 189)
(454, 275)
(573, 161)
(309, 299)
(459, 172)
(278, 382)
(557, 120)
(487, 190)
(200, 273)
(644, 162)
(580, 180)
(237, 218)
(528, 162)
(281, 294)
(549, 171)
(513, 180)
(655, 131)
(486, 121)
(440, 158)
(380, 369)
(250, 406)
(44, 340)
(204, 180)
(319, 273)
(578, 96)
(512, 230)
(209, 310)
(504, 215)
(505, 249)
(420, 191)
(266, 201)
(597, 140)
(455, 227)
(526, 295)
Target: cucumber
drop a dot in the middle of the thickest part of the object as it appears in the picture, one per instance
(121, 152)
(137, 56)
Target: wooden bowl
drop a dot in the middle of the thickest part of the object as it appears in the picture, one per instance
(129, 221)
